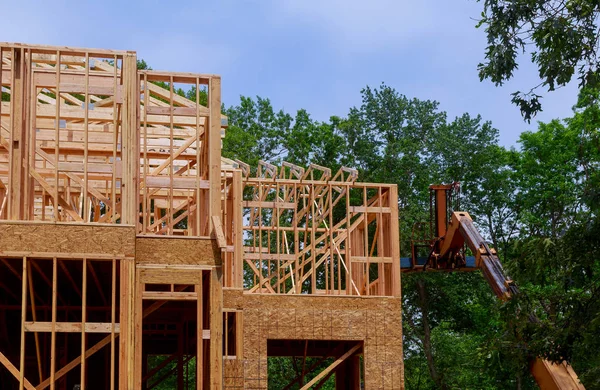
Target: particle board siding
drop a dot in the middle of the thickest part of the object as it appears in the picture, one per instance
(233, 377)
(177, 251)
(304, 317)
(375, 321)
(233, 299)
(67, 238)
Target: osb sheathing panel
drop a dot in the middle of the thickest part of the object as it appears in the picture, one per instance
(375, 321)
(67, 238)
(233, 299)
(177, 250)
(233, 377)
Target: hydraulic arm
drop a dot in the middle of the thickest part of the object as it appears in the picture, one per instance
(447, 253)
(461, 231)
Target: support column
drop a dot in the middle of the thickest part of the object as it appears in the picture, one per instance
(127, 322)
(216, 329)
(395, 242)
(18, 146)
(214, 148)
(238, 234)
(130, 141)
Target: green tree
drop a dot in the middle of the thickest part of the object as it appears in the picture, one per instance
(550, 186)
(561, 37)
(257, 132)
(394, 139)
(555, 259)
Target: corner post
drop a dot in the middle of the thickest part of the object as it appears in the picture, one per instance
(130, 141)
(214, 148)
(395, 242)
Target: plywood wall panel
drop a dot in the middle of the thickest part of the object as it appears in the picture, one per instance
(67, 238)
(375, 321)
(177, 251)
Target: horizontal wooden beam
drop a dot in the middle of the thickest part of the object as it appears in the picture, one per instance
(181, 183)
(170, 296)
(370, 259)
(269, 205)
(72, 327)
(66, 50)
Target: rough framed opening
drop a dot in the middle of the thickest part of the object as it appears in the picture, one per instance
(314, 364)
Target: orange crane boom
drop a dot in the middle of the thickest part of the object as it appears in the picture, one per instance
(447, 254)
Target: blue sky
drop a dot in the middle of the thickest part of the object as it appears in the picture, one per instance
(307, 54)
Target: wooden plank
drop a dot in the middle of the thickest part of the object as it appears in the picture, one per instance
(169, 296)
(177, 111)
(371, 209)
(130, 154)
(218, 231)
(214, 147)
(137, 354)
(53, 324)
(370, 259)
(70, 327)
(113, 318)
(100, 83)
(126, 298)
(238, 234)
(18, 126)
(14, 371)
(269, 256)
(34, 316)
(73, 51)
(394, 239)
(183, 183)
(178, 77)
(83, 376)
(23, 319)
(200, 332)
(216, 329)
(331, 367)
(271, 205)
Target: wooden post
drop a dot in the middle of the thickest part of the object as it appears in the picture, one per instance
(18, 148)
(214, 148)
(394, 237)
(199, 333)
(216, 329)
(127, 335)
(23, 319)
(130, 141)
(238, 250)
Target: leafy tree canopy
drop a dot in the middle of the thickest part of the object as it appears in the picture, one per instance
(560, 36)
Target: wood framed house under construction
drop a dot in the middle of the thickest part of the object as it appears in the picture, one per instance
(130, 249)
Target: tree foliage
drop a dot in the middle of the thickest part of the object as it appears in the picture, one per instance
(561, 37)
